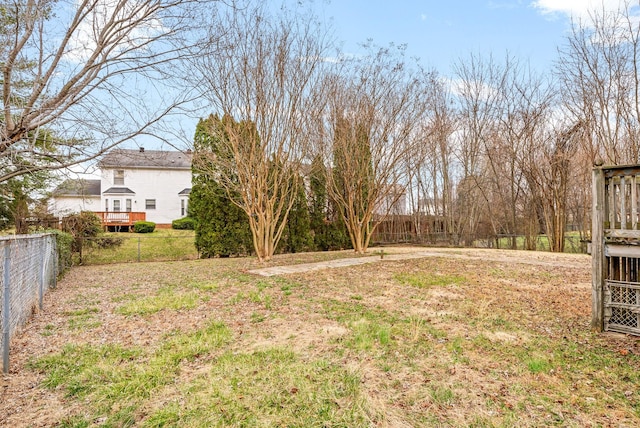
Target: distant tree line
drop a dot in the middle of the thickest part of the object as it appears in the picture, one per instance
(497, 150)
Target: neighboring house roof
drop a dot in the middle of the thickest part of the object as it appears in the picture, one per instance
(80, 187)
(118, 191)
(124, 158)
(186, 191)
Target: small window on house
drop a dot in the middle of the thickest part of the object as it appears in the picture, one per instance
(118, 177)
(128, 205)
(182, 208)
(150, 204)
(116, 205)
(106, 205)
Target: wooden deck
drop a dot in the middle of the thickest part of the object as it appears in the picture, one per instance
(119, 218)
(615, 249)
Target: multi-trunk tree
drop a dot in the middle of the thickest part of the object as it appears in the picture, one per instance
(262, 72)
(375, 105)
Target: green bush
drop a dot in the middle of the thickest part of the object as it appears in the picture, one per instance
(297, 235)
(144, 226)
(222, 228)
(64, 242)
(82, 225)
(186, 223)
(105, 242)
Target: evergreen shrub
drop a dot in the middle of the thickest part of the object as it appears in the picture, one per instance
(144, 226)
(185, 223)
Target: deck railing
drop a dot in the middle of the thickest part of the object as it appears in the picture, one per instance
(119, 218)
(615, 249)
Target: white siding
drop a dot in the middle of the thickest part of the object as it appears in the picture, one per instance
(163, 185)
(61, 206)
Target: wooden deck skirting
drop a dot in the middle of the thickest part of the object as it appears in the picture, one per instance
(119, 218)
(615, 249)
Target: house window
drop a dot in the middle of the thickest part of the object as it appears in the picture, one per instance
(118, 177)
(128, 205)
(106, 205)
(150, 204)
(116, 205)
(182, 208)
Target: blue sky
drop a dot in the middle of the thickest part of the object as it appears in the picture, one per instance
(441, 32)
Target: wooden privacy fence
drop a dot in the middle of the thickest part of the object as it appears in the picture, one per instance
(615, 249)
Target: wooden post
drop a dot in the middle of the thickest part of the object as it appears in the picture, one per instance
(634, 202)
(597, 248)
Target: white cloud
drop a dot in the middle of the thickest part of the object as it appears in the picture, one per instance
(137, 27)
(578, 9)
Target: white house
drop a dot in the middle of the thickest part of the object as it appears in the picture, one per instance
(156, 183)
(73, 196)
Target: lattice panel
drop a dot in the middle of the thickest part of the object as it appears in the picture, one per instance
(623, 303)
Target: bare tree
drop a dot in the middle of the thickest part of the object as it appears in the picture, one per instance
(430, 168)
(376, 105)
(262, 73)
(598, 68)
(549, 174)
(79, 77)
(505, 111)
(477, 96)
(524, 122)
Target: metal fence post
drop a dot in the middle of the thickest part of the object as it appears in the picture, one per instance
(6, 319)
(56, 265)
(41, 275)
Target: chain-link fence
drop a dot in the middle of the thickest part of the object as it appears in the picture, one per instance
(136, 247)
(572, 243)
(28, 269)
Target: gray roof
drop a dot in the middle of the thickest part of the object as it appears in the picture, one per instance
(186, 191)
(80, 187)
(118, 191)
(124, 158)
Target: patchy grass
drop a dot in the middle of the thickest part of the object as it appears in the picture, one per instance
(178, 245)
(166, 299)
(425, 280)
(85, 318)
(115, 380)
(423, 342)
(162, 244)
(272, 387)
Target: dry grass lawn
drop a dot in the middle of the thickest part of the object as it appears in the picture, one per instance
(461, 338)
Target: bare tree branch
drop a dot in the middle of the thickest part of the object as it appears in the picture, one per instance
(89, 72)
(376, 104)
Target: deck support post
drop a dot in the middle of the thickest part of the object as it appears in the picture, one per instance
(597, 248)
